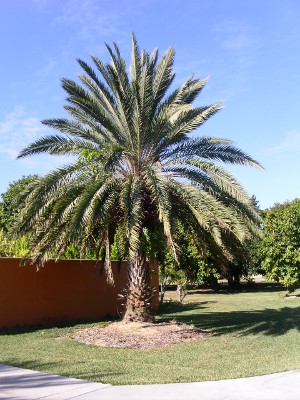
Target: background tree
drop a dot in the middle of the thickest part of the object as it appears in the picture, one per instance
(245, 258)
(193, 265)
(13, 248)
(281, 245)
(10, 204)
(145, 172)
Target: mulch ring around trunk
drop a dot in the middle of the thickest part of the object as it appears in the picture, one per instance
(138, 335)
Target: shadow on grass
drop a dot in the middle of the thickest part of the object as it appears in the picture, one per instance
(259, 287)
(173, 307)
(269, 321)
(18, 330)
(31, 379)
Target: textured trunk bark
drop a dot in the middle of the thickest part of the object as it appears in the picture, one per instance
(163, 289)
(139, 294)
(181, 293)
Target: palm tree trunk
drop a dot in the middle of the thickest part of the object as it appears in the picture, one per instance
(139, 293)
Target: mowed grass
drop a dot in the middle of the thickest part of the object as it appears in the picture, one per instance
(252, 333)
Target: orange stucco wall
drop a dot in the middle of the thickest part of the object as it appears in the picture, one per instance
(63, 291)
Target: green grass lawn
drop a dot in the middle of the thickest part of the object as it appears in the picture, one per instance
(252, 333)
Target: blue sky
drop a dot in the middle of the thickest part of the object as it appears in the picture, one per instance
(249, 49)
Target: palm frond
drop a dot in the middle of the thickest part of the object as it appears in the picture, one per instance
(211, 149)
(56, 144)
(163, 77)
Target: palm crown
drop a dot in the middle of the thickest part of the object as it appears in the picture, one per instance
(137, 165)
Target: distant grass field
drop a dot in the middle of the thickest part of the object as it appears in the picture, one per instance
(253, 332)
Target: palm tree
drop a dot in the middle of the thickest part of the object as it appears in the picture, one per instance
(136, 169)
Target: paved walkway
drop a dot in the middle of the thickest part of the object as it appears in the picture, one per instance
(24, 384)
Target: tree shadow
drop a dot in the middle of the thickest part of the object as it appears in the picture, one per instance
(174, 307)
(31, 379)
(35, 328)
(259, 287)
(274, 322)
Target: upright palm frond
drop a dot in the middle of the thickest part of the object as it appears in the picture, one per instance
(137, 165)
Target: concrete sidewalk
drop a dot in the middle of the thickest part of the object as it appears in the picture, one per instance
(22, 384)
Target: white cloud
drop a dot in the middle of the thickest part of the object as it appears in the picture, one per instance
(45, 71)
(90, 18)
(236, 35)
(239, 44)
(41, 4)
(290, 143)
(236, 45)
(18, 130)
